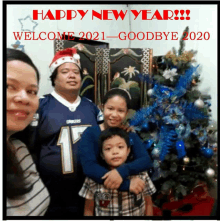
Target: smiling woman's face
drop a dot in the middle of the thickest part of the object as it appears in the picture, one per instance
(22, 99)
(115, 111)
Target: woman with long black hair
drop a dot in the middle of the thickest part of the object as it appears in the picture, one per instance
(26, 194)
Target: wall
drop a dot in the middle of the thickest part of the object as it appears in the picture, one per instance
(202, 18)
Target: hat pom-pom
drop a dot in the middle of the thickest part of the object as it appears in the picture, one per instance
(76, 56)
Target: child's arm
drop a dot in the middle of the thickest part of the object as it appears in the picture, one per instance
(148, 205)
(87, 191)
(89, 207)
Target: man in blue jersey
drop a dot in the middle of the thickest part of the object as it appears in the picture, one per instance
(55, 133)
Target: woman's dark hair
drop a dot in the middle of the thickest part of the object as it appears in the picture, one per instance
(54, 75)
(16, 185)
(13, 54)
(109, 133)
(118, 92)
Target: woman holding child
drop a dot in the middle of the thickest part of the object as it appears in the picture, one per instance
(115, 109)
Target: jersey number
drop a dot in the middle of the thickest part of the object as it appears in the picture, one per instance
(65, 144)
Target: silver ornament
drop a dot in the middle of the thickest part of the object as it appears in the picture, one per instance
(150, 92)
(199, 103)
(212, 127)
(180, 130)
(156, 164)
(210, 172)
(214, 145)
(156, 152)
(186, 160)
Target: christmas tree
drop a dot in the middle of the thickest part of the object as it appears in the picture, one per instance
(176, 127)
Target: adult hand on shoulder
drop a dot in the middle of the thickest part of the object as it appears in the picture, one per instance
(136, 185)
(113, 179)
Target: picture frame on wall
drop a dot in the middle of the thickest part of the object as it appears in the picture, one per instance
(125, 67)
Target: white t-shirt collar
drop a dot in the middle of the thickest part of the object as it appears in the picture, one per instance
(72, 106)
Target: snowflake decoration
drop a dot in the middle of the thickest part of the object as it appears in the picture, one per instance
(27, 24)
(174, 116)
(201, 134)
(130, 71)
(169, 74)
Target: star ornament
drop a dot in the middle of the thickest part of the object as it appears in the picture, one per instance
(169, 74)
(131, 71)
(27, 24)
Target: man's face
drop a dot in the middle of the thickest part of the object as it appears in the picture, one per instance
(68, 78)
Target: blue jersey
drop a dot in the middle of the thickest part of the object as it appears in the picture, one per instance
(55, 133)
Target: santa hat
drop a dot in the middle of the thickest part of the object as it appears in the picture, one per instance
(64, 56)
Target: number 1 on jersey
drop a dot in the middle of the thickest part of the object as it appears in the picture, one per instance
(65, 143)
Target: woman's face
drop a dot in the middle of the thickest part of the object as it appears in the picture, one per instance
(115, 111)
(22, 99)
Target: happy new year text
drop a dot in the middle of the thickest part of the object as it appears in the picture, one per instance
(111, 14)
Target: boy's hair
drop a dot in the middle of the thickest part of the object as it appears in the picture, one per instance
(111, 132)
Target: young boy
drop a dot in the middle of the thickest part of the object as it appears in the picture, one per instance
(114, 151)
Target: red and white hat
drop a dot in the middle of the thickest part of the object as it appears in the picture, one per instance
(64, 56)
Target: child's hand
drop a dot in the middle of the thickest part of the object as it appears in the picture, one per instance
(113, 179)
(136, 185)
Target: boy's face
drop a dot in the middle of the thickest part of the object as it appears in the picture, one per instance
(115, 151)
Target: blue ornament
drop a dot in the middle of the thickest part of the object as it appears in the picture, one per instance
(131, 141)
(165, 90)
(180, 147)
(145, 126)
(207, 152)
(149, 143)
(202, 149)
